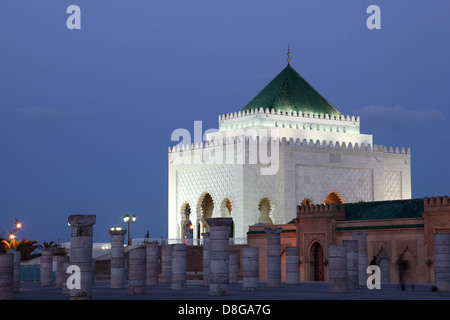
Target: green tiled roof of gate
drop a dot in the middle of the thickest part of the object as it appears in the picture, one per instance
(394, 209)
(288, 91)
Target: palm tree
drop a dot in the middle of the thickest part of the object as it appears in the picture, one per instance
(26, 247)
(9, 245)
(50, 244)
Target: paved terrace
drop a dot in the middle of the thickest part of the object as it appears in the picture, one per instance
(195, 290)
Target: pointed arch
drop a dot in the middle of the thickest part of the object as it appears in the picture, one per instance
(316, 260)
(334, 197)
(265, 207)
(307, 202)
(185, 221)
(205, 209)
(384, 262)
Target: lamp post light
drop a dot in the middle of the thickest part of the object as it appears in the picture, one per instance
(17, 225)
(13, 236)
(128, 219)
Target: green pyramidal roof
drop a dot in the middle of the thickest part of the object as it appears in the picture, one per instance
(288, 91)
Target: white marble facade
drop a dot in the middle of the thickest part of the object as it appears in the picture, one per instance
(310, 156)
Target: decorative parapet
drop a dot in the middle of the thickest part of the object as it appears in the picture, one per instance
(319, 208)
(436, 201)
(289, 119)
(342, 145)
(437, 205)
(266, 111)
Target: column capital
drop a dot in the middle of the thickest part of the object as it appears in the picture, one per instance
(82, 219)
(117, 232)
(225, 222)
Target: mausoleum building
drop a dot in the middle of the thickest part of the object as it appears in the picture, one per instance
(287, 147)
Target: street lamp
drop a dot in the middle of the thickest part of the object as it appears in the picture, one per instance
(128, 219)
(13, 235)
(17, 225)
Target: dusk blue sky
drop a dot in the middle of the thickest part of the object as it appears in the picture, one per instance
(86, 116)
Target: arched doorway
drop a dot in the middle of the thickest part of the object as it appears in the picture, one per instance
(316, 262)
(333, 197)
(384, 262)
(265, 209)
(206, 208)
(186, 224)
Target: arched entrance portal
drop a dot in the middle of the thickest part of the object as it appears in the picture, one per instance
(186, 225)
(265, 208)
(206, 207)
(384, 262)
(316, 262)
(333, 197)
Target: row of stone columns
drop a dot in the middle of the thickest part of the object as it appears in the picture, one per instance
(347, 262)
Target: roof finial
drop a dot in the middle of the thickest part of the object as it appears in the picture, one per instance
(288, 54)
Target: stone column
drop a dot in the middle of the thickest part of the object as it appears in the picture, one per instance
(441, 257)
(219, 255)
(361, 236)
(273, 256)
(117, 280)
(234, 268)
(17, 257)
(81, 232)
(206, 253)
(337, 267)
(46, 268)
(250, 268)
(136, 270)
(61, 257)
(292, 265)
(352, 263)
(166, 264)
(6, 276)
(152, 272)
(178, 274)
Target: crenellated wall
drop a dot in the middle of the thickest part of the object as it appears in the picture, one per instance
(436, 217)
(300, 115)
(342, 145)
(397, 235)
